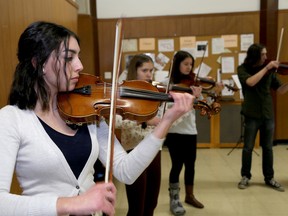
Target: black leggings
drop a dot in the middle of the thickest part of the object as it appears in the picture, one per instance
(182, 149)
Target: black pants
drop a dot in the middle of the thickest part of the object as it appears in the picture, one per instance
(182, 149)
(143, 194)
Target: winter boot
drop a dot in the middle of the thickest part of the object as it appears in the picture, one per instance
(175, 205)
(190, 199)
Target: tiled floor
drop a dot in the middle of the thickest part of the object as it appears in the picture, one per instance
(217, 176)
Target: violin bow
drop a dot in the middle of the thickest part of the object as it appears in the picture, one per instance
(116, 69)
(279, 45)
(111, 137)
(202, 59)
(168, 85)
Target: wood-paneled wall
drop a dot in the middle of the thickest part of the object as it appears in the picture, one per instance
(281, 114)
(194, 25)
(86, 35)
(169, 26)
(15, 16)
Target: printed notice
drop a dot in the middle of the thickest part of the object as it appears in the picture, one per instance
(241, 58)
(166, 45)
(146, 44)
(230, 40)
(160, 61)
(130, 45)
(227, 64)
(246, 41)
(187, 42)
(202, 70)
(217, 45)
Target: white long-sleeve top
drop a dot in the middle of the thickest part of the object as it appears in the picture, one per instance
(42, 170)
(184, 125)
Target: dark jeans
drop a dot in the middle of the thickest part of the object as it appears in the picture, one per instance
(266, 129)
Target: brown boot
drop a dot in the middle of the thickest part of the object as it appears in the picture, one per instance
(190, 199)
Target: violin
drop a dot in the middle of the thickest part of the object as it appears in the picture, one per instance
(136, 100)
(181, 87)
(207, 83)
(282, 68)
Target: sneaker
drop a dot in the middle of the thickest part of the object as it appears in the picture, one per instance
(275, 185)
(243, 184)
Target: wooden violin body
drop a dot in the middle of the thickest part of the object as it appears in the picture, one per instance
(136, 100)
(92, 98)
(283, 68)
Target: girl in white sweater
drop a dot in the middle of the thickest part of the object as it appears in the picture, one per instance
(54, 162)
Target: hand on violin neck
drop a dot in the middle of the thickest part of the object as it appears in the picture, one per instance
(196, 90)
(183, 102)
(219, 86)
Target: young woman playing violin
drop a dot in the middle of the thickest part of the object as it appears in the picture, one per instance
(142, 195)
(53, 162)
(182, 139)
(257, 79)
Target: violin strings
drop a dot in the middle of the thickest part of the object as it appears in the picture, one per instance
(145, 94)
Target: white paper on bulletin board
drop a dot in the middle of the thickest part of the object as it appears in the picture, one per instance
(166, 45)
(160, 61)
(226, 91)
(187, 42)
(217, 45)
(246, 40)
(146, 44)
(241, 58)
(130, 45)
(228, 64)
(202, 70)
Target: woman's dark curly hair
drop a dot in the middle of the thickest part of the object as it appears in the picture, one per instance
(176, 75)
(35, 46)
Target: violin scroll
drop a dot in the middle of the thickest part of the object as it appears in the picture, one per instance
(206, 109)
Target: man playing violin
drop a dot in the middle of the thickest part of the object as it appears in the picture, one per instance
(257, 80)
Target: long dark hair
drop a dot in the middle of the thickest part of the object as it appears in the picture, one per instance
(35, 46)
(253, 56)
(176, 75)
(137, 61)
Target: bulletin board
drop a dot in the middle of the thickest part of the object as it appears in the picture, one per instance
(217, 56)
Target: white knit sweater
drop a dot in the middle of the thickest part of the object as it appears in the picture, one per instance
(42, 171)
